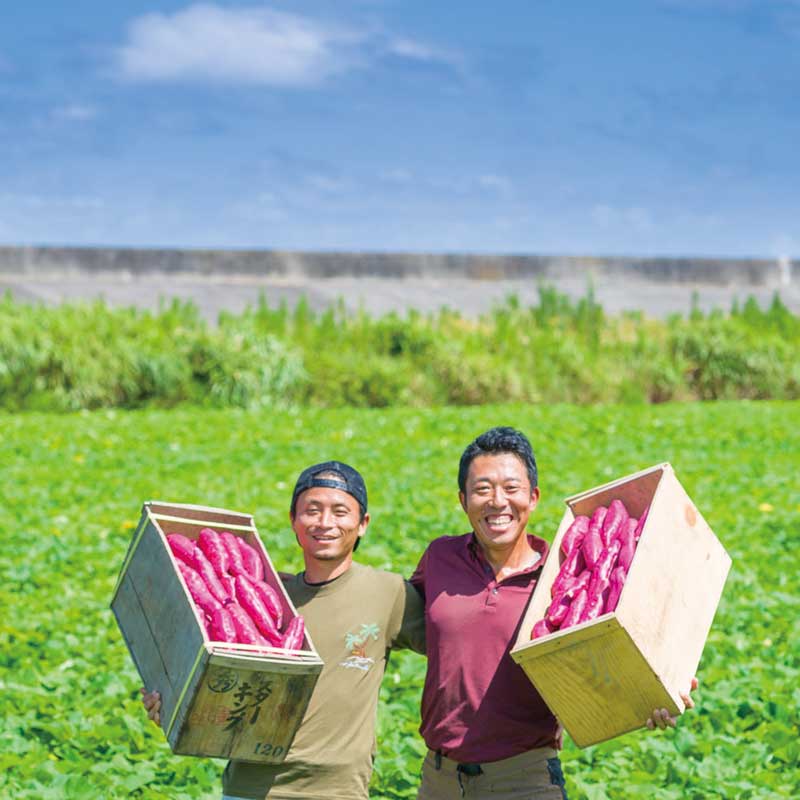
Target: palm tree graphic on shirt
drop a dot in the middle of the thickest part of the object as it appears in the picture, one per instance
(356, 643)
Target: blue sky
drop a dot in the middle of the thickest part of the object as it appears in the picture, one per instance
(654, 127)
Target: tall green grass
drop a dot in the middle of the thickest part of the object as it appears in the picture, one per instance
(558, 350)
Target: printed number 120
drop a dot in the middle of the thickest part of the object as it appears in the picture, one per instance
(267, 749)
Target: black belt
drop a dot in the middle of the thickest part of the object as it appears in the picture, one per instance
(465, 769)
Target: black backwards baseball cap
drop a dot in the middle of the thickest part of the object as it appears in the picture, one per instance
(351, 482)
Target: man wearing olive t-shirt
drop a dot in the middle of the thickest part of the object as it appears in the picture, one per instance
(355, 615)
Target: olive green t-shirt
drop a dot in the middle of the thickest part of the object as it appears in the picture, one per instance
(354, 621)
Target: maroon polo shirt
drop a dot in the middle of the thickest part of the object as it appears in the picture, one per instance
(478, 705)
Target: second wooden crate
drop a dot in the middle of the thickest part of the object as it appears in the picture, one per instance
(605, 677)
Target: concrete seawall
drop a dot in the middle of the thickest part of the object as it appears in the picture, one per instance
(217, 280)
(282, 264)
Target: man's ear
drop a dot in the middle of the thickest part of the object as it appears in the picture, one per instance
(534, 497)
(363, 525)
(462, 498)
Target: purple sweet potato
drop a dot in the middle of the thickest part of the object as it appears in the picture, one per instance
(593, 543)
(581, 582)
(235, 565)
(198, 590)
(210, 542)
(594, 606)
(246, 630)
(615, 584)
(599, 583)
(222, 628)
(203, 567)
(598, 518)
(251, 560)
(606, 562)
(572, 566)
(573, 585)
(249, 600)
(558, 609)
(229, 585)
(295, 633)
(271, 600)
(575, 610)
(573, 536)
(541, 628)
(642, 521)
(182, 548)
(565, 586)
(628, 547)
(616, 517)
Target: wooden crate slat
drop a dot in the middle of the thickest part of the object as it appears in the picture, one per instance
(141, 643)
(166, 603)
(198, 523)
(674, 586)
(226, 718)
(219, 516)
(185, 696)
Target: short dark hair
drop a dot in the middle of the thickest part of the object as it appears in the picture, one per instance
(499, 440)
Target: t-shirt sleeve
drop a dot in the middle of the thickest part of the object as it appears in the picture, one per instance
(409, 612)
(417, 580)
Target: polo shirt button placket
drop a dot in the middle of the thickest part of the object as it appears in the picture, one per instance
(491, 594)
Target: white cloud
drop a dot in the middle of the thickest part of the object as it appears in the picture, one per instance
(419, 51)
(245, 45)
(256, 45)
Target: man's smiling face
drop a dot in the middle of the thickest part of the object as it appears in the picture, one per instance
(498, 499)
(328, 523)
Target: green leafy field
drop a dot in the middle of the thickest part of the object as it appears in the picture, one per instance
(71, 724)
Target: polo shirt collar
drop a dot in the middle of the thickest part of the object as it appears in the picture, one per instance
(538, 544)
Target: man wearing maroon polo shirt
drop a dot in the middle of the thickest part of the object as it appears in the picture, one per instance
(487, 729)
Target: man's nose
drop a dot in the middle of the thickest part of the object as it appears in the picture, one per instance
(326, 518)
(498, 498)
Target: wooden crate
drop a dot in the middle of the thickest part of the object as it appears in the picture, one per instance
(604, 678)
(217, 699)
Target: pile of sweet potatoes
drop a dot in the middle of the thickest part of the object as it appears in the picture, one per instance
(598, 551)
(225, 577)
